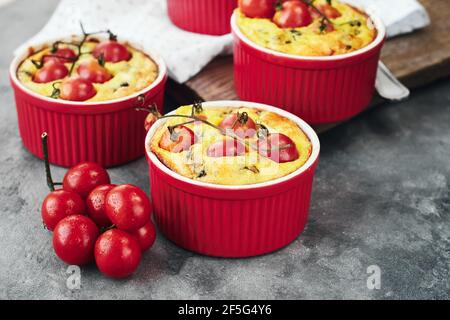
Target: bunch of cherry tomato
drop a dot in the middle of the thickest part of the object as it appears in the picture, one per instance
(80, 86)
(92, 219)
(287, 13)
(275, 146)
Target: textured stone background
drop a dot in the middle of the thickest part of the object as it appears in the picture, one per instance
(381, 196)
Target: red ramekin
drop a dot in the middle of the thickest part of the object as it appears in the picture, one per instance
(317, 89)
(232, 221)
(202, 16)
(107, 132)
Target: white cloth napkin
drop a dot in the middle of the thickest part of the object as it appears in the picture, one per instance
(399, 16)
(146, 22)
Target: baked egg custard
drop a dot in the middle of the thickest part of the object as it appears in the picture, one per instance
(106, 76)
(321, 28)
(230, 146)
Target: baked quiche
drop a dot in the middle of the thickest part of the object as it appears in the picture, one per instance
(230, 146)
(305, 28)
(89, 71)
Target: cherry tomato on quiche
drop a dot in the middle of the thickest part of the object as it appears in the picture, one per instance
(117, 253)
(242, 125)
(258, 8)
(112, 51)
(74, 239)
(76, 89)
(84, 177)
(179, 139)
(59, 204)
(226, 148)
(62, 55)
(278, 147)
(294, 14)
(150, 121)
(328, 27)
(51, 70)
(329, 11)
(128, 207)
(91, 70)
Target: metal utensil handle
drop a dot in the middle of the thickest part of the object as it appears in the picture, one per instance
(388, 85)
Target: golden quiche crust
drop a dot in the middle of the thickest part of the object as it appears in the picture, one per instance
(129, 76)
(353, 30)
(246, 169)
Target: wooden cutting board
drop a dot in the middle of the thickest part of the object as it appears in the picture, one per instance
(416, 59)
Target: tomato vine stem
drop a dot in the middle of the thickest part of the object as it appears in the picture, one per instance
(48, 173)
(196, 106)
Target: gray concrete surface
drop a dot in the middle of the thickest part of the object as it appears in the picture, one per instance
(381, 197)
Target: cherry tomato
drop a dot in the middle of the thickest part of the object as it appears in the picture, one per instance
(328, 27)
(95, 203)
(149, 121)
(128, 207)
(258, 8)
(202, 117)
(74, 239)
(112, 51)
(117, 253)
(51, 71)
(226, 148)
(146, 236)
(329, 11)
(294, 14)
(84, 177)
(91, 70)
(278, 147)
(76, 89)
(59, 204)
(179, 140)
(242, 125)
(62, 55)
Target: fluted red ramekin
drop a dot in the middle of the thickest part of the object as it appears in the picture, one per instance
(232, 221)
(317, 89)
(110, 132)
(202, 16)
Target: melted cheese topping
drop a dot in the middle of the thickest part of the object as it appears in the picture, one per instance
(249, 168)
(128, 76)
(353, 30)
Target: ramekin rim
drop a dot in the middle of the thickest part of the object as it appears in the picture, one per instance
(18, 59)
(381, 35)
(306, 128)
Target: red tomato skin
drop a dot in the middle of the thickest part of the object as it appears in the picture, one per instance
(329, 11)
(59, 204)
(294, 14)
(64, 55)
(128, 207)
(51, 71)
(95, 204)
(76, 89)
(258, 8)
(74, 239)
(84, 177)
(117, 253)
(186, 138)
(268, 147)
(92, 71)
(150, 121)
(112, 51)
(146, 236)
(226, 148)
(231, 122)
